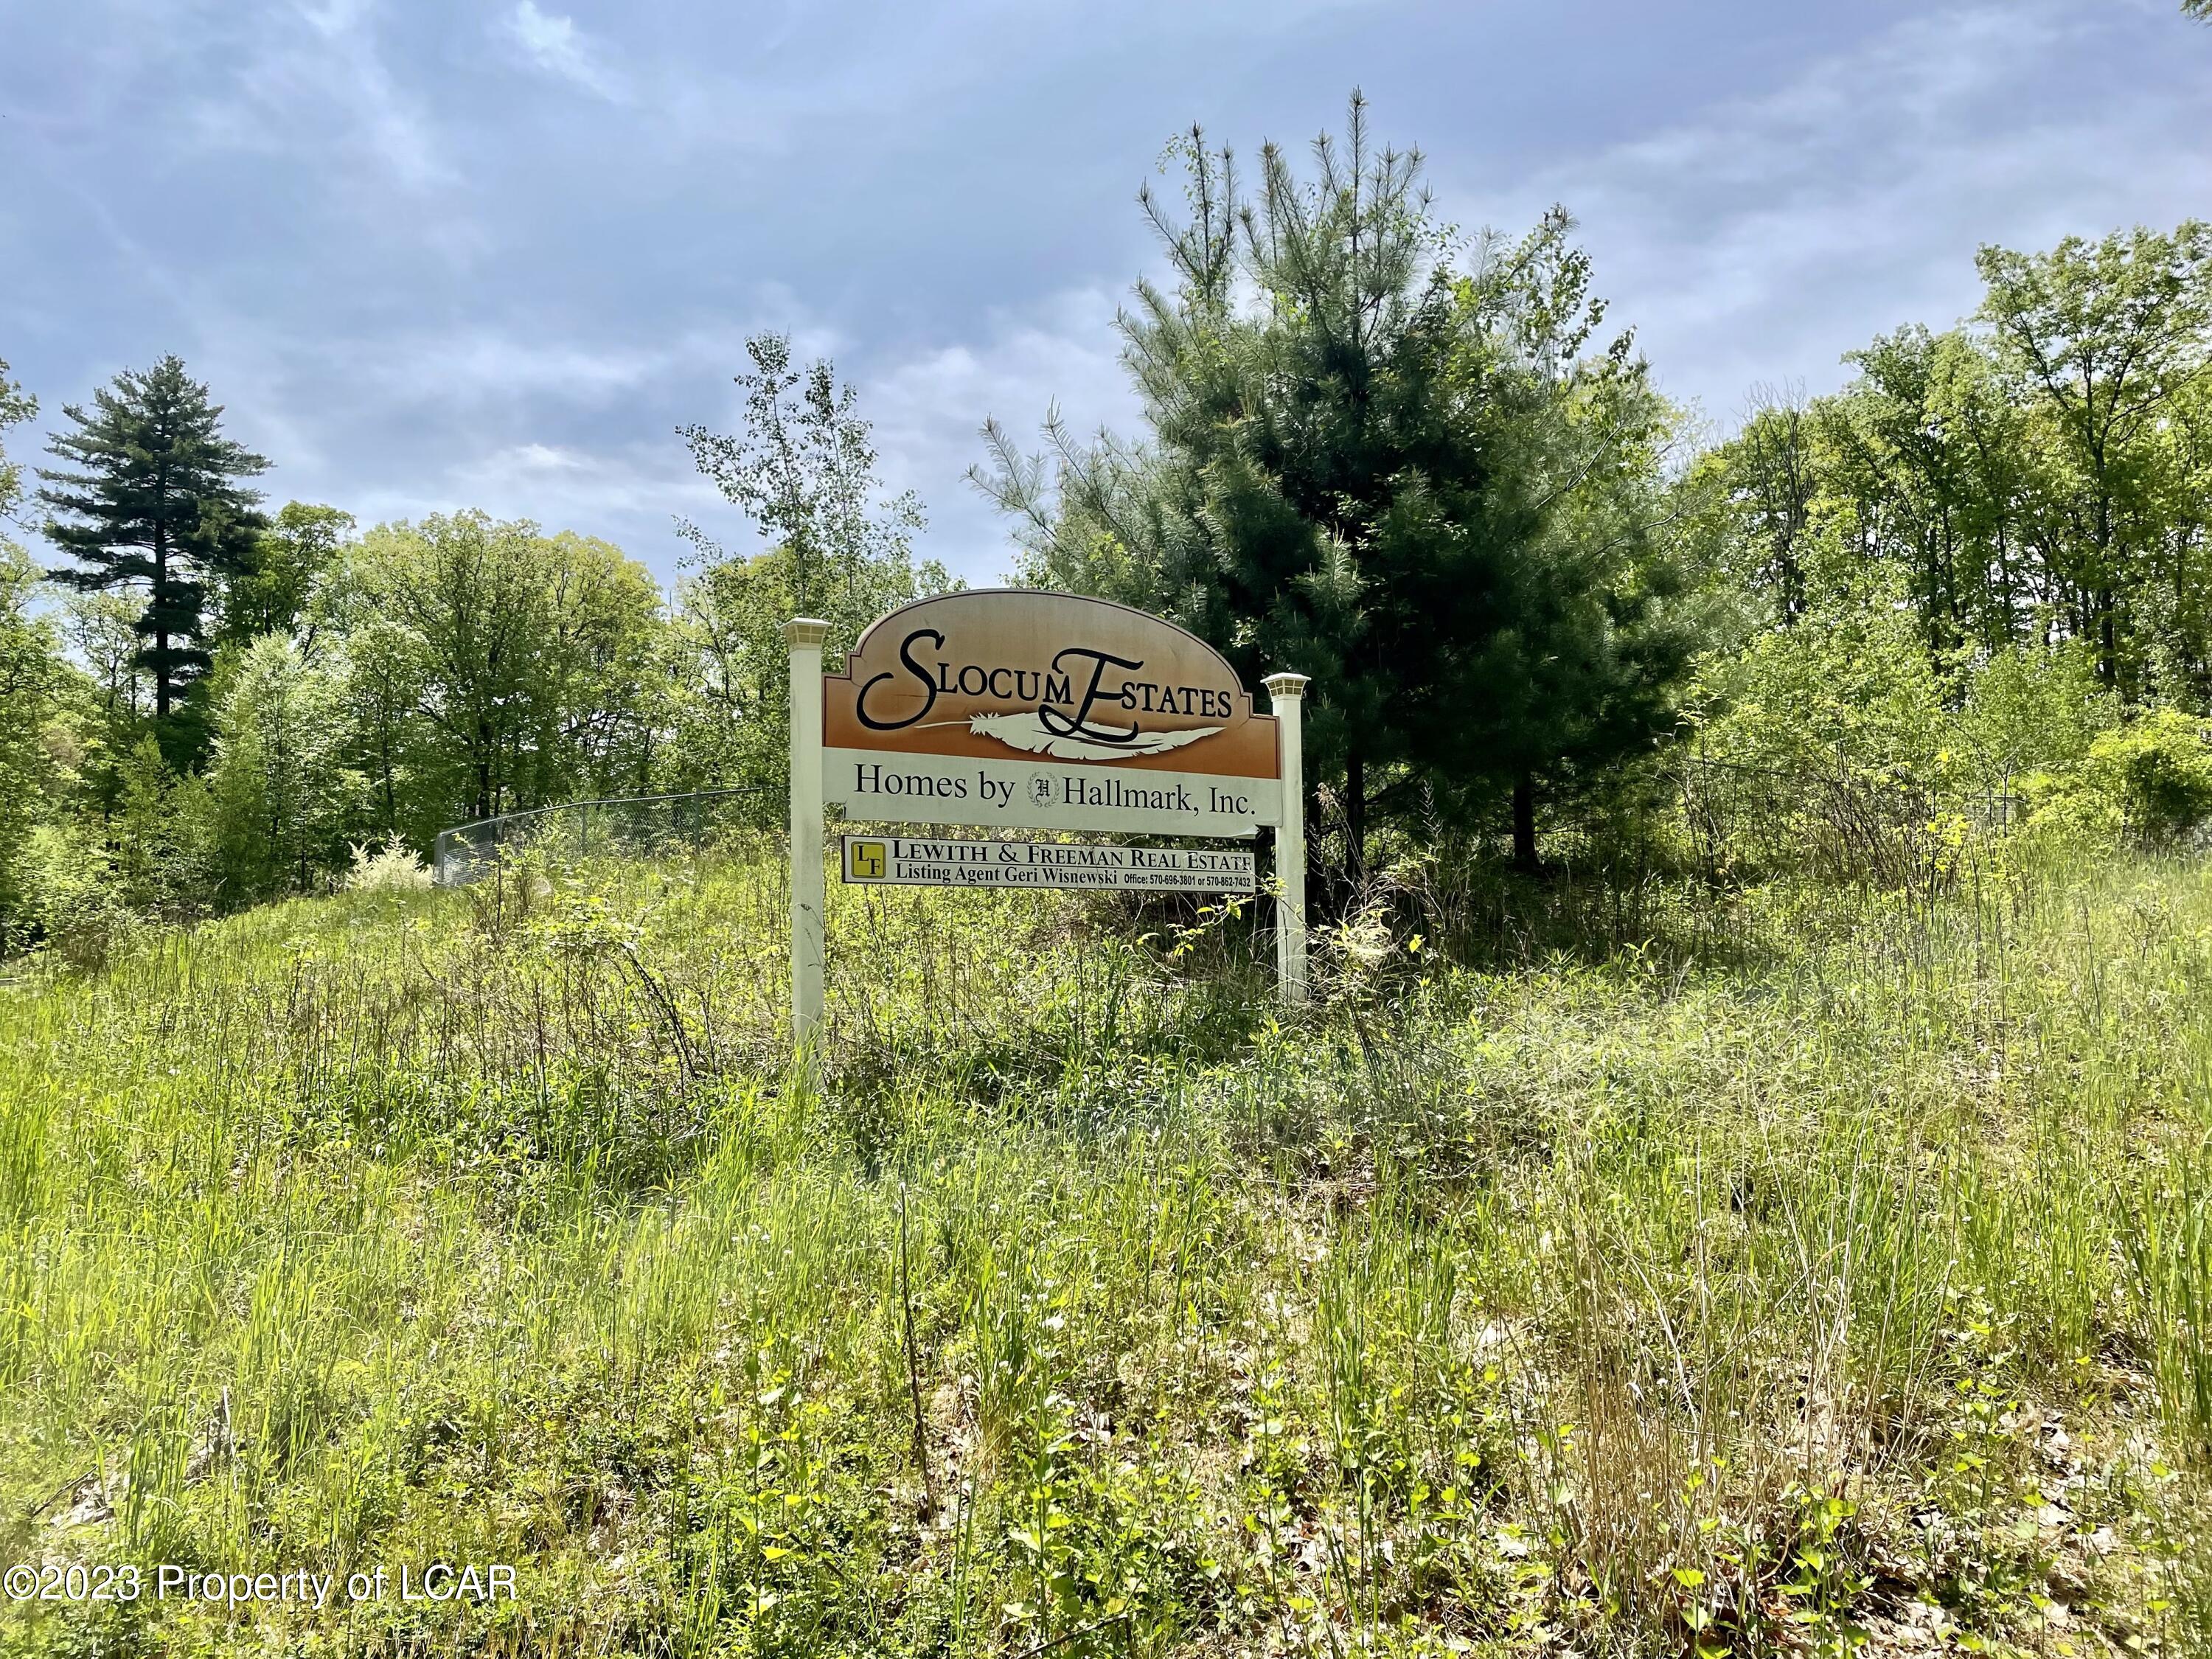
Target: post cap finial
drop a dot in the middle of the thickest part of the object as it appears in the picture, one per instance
(1287, 685)
(805, 630)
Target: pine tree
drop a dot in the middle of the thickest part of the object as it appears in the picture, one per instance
(1390, 469)
(150, 494)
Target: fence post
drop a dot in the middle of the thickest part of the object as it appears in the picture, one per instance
(804, 636)
(1286, 700)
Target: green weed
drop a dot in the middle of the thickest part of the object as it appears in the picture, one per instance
(1830, 1274)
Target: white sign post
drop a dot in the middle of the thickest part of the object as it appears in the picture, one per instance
(1286, 694)
(804, 636)
(1020, 708)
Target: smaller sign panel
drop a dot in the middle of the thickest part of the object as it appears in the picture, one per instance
(919, 861)
(895, 788)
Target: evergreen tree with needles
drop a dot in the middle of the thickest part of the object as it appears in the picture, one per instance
(1381, 456)
(150, 495)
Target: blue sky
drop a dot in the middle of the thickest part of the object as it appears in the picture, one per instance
(491, 253)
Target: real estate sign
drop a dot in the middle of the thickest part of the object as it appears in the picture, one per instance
(1017, 708)
(1046, 711)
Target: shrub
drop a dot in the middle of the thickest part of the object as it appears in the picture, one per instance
(2148, 781)
(391, 868)
(74, 909)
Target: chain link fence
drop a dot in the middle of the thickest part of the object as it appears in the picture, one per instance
(1733, 820)
(1847, 824)
(619, 826)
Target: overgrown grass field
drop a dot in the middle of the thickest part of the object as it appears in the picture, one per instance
(1779, 1274)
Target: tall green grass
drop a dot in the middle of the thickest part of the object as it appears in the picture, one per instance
(1788, 1271)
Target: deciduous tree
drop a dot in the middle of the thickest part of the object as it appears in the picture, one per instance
(2102, 338)
(269, 591)
(31, 673)
(31, 677)
(2036, 476)
(283, 797)
(803, 470)
(519, 658)
(16, 406)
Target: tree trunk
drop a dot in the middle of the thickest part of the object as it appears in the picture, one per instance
(391, 796)
(160, 608)
(1355, 815)
(1524, 824)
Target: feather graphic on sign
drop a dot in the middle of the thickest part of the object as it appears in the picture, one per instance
(1027, 733)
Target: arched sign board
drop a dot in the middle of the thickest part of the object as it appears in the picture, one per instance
(1018, 708)
(1045, 711)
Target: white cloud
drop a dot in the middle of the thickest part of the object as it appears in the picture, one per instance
(562, 366)
(844, 173)
(628, 495)
(557, 47)
(339, 68)
(292, 83)
(1760, 238)
(929, 408)
(563, 486)
(478, 366)
(926, 409)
